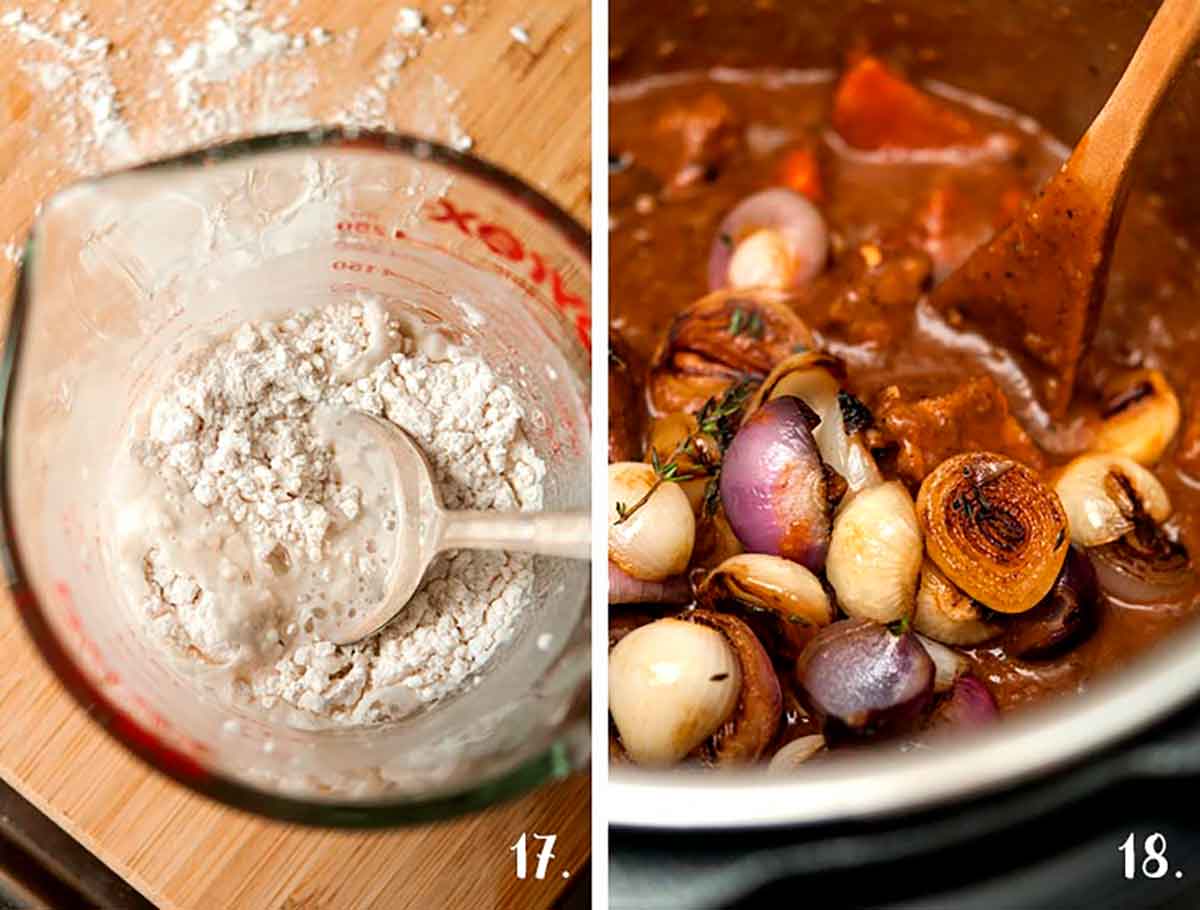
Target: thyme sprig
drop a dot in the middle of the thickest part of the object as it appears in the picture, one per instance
(746, 322)
(717, 419)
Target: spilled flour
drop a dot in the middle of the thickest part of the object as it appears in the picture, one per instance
(242, 522)
(238, 70)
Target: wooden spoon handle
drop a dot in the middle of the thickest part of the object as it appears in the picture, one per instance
(546, 533)
(1103, 156)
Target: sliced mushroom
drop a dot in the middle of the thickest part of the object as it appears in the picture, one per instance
(748, 732)
(771, 583)
(724, 338)
(946, 614)
(1103, 495)
(1141, 416)
(651, 527)
(785, 591)
(626, 408)
(994, 529)
(875, 554)
(672, 685)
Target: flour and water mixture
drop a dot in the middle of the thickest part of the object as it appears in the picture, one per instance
(245, 520)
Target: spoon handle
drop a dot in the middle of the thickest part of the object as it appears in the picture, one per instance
(1103, 156)
(565, 534)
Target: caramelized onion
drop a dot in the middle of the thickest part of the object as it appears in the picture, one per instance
(875, 554)
(775, 238)
(1141, 416)
(993, 529)
(946, 614)
(1105, 495)
(671, 685)
(796, 753)
(724, 338)
(948, 664)
(1144, 566)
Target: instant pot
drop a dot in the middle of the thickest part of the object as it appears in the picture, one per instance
(1034, 813)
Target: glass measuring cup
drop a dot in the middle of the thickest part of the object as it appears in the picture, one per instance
(121, 272)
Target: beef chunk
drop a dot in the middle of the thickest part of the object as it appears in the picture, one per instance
(924, 432)
(855, 302)
(705, 131)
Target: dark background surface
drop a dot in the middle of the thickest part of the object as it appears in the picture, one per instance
(1050, 845)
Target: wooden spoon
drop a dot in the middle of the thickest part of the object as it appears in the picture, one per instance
(1037, 286)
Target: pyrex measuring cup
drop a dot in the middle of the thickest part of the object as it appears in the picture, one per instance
(125, 271)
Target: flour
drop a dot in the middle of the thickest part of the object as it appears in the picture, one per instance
(241, 526)
(237, 73)
(81, 72)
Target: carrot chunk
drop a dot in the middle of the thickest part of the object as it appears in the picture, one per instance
(799, 170)
(875, 108)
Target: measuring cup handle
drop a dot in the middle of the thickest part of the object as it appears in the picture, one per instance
(565, 534)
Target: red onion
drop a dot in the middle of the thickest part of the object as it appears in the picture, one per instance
(774, 487)
(864, 675)
(1065, 615)
(799, 232)
(969, 704)
(625, 589)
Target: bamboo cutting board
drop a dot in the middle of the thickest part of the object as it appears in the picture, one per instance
(526, 107)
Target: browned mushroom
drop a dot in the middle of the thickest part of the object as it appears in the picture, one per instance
(722, 339)
(626, 408)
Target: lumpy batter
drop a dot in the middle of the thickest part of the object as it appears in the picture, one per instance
(246, 520)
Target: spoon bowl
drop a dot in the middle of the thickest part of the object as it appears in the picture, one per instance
(425, 528)
(1037, 286)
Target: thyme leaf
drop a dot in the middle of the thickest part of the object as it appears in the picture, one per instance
(746, 322)
(717, 419)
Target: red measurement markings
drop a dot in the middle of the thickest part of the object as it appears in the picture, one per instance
(369, 229)
(499, 240)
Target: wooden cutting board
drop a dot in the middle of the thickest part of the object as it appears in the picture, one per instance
(526, 107)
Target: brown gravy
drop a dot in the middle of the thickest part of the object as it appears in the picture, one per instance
(661, 236)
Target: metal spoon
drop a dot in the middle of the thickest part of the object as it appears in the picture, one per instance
(1037, 286)
(427, 528)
